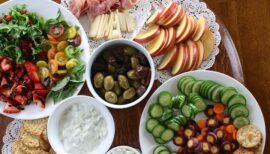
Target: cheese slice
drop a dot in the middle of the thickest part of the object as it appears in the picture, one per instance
(130, 22)
(118, 27)
(109, 25)
(103, 27)
(94, 27)
(100, 26)
(123, 25)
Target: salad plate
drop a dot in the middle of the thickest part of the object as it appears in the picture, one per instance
(255, 116)
(47, 9)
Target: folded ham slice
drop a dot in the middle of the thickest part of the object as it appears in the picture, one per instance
(97, 7)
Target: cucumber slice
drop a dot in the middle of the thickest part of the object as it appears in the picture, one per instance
(216, 94)
(165, 99)
(157, 131)
(227, 95)
(227, 88)
(173, 124)
(187, 111)
(232, 107)
(167, 135)
(180, 82)
(156, 111)
(178, 101)
(194, 111)
(159, 141)
(167, 114)
(164, 152)
(160, 148)
(185, 82)
(200, 104)
(188, 87)
(151, 124)
(240, 122)
(239, 111)
(237, 99)
(182, 120)
(211, 90)
(174, 153)
(209, 85)
(196, 86)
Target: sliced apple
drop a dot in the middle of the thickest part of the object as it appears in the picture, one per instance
(176, 19)
(186, 32)
(202, 26)
(195, 52)
(148, 35)
(180, 61)
(191, 58)
(168, 12)
(172, 38)
(173, 18)
(169, 58)
(180, 29)
(201, 53)
(194, 27)
(208, 41)
(155, 45)
(163, 48)
(154, 18)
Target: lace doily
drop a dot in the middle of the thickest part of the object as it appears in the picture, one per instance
(143, 10)
(12, 133)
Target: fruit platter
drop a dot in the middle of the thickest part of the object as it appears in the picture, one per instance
(143, 66)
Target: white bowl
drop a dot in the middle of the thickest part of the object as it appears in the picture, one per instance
(135, 151)
(54, 119)
(96, 53)
(47, 9)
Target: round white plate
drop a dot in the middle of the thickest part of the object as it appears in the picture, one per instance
(55, 118)
(147, 142)
(46, 9)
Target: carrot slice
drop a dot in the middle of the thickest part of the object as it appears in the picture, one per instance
(200, 137)
(201, 123)
(219, 117)
(235, 134)
(219, 108)
(230, 129)
(222, 127)
(52, 40)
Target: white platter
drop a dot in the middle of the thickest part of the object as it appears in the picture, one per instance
(47, 9)
(147, 142)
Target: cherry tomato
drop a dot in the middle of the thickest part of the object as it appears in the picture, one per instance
(42, 63)
(51, 53)
(76, 41)
(8, 18)
(71, 32)
(72, 63)
(61, 58)
(56, 31)
(43, 73)
(53, 66)
(62, 45)
(52, 40)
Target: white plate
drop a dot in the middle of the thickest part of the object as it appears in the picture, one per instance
(53, 123)
(46, 9)
(147, 142)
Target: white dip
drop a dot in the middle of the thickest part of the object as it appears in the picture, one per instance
(82, 129)
(122, 151)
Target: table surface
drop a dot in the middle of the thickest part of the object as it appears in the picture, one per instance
(127, 121)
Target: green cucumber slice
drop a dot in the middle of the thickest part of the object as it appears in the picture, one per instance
(159, 141)
(157, 131)
(160, 148)
(167, 114)
(165, 99)
(237, 99)
(240, 122)
(239, 111)
(156, 111)
(187, 111)
(180, 82)
(216, 94)
(151, 124)
(196, 86)
(167, 135)
(227, 95)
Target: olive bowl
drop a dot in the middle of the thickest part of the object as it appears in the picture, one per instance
(96, 54)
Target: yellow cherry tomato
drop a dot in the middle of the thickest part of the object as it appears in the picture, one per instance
(42, 63)
(61, 58)
(53, 66)
(71, 32)
(43, 73)
(72, 63)
(61, 72)
(62, 45)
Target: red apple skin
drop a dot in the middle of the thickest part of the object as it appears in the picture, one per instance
(201, 53)
(186, 60)
(187, 33)
(154, 20)
(165, 39)
(195, 54)
(167, 13)
(172, 59)
(154, 45)
(184, 21)
(149, 37)
(172, 32)
(178, 20)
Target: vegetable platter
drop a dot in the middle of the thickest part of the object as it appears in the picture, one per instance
(47, 50)
(177, 127)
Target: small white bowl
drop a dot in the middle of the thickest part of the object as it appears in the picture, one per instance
(55, 118)
(135, 151)
(97, 52)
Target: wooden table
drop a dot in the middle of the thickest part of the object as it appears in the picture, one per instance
(127, 120)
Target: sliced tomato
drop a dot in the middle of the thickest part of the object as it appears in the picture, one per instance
(43, 73)
(22, 100)
(6, 65)
(39, 86)
(56, 31)
(61, 58)
(10, 109)
(52, 40)
(32, 71)
(53, 66)
(39, 100)
(71, 32)
(51, 53)
(62, 45)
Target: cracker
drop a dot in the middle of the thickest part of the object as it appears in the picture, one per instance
(28, 139)
(44, 135)
(44, 145)
(243, 151)
(15, 149)
(52, 151)
(28, 150)
(249, 136)
(35, 127)
(258, 150)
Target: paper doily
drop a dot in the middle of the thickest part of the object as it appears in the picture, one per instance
(12, 133)
(143, 10)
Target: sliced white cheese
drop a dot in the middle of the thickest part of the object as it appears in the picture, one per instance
(94, 27)
(109, 25)
(100, 26)
(103, 27)
(123, 25)
(118, 27)
(130, 22)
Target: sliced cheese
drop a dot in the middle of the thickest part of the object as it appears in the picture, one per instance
(130, 21)
(109, 25)
(100, 26)
(123, 24)
(103, 25)
(94, 27)
(118, 27)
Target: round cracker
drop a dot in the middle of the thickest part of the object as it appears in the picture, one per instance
(243, 151)
(44, 145)
(35, 127)
(249, 136)
(15, 149)
(44, 135)
(52, 151)
(29, 140)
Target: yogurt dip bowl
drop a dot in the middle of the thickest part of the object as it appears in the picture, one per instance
(81, 124)
(111, 45)
(123, 150)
